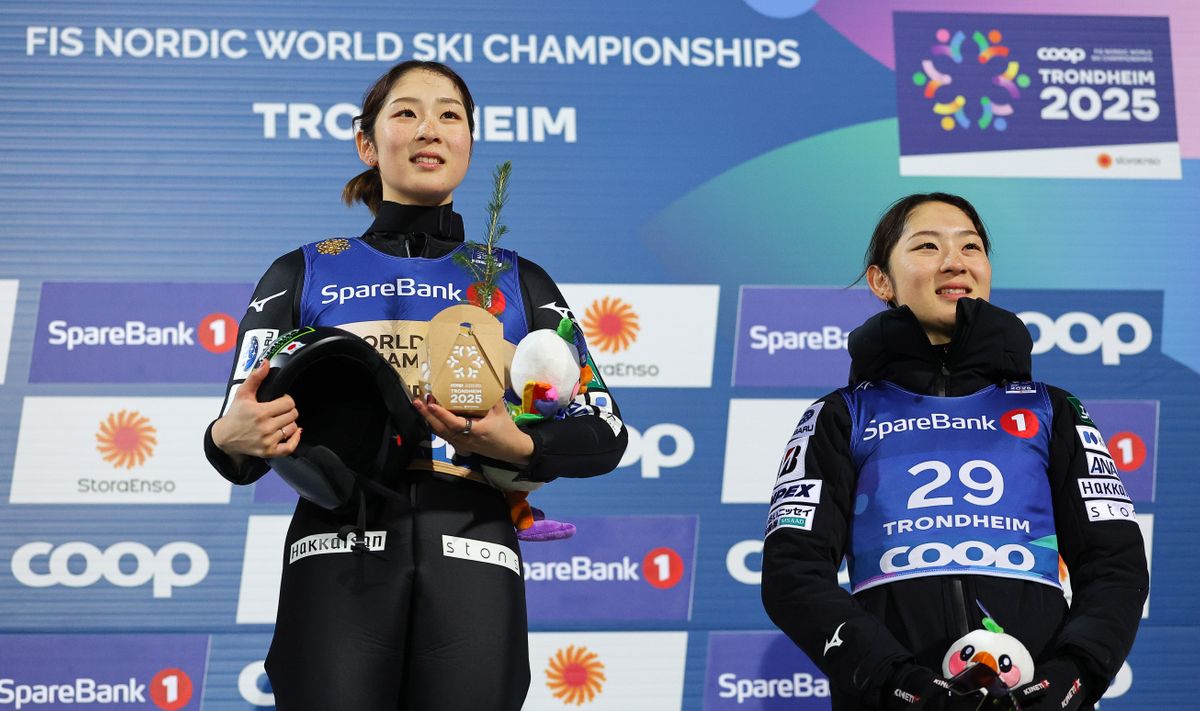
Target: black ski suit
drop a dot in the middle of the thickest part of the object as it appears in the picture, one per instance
(427, 618)
(886, 629)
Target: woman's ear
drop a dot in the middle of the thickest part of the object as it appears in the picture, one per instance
(880, 283)
(366, 149)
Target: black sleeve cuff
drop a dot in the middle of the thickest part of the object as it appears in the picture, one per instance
(251, 470)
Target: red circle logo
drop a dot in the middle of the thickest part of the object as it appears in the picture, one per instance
(1128, 451)
(663, 568)
(171, 689)
(1104, 160)
(217, 332)
(1020, 423)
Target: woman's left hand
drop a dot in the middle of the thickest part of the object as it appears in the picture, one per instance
(494, 435)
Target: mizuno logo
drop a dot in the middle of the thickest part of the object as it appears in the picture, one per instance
(259, 304)
(562, 311)
(835, 640)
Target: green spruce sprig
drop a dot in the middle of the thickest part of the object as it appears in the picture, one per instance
(484, 272)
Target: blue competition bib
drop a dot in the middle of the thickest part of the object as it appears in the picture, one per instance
(388, 301)
(951, 485)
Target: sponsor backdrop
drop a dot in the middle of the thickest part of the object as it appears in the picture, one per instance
(702, 182)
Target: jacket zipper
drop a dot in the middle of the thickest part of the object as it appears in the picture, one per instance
(961, 613)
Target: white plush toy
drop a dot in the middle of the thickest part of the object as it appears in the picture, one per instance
(1002, 652)
(546, 373)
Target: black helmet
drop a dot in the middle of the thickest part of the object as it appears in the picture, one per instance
(356, 413)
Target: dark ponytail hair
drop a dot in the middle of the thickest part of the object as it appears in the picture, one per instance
(367, 186)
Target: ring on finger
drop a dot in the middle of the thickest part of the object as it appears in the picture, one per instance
(467, 429)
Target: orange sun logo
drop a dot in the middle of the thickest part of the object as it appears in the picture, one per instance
(611, 324)
(126, 439)
(575, 675)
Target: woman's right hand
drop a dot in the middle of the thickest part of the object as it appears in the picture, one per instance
(257, 429)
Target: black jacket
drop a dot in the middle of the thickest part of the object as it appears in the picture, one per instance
(573, 447)
(885, 628)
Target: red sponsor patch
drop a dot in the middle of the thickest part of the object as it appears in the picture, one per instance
(1020, 423)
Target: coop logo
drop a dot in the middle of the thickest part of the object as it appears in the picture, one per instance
(40, 564)
(652, 451)
(403, 286)
(1074, 55)
(575, 675)
(1122, 334)
(610, 325)
(126, 439)
(948, 67)
(254, 686)
(1010, 556)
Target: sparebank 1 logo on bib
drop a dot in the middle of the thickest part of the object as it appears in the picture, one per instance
(1035, 96)
(125, 333)
(643, 335)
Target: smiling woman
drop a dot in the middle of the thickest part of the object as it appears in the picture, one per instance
(951, 482)
(386, 599)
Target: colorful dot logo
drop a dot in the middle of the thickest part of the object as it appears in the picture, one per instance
(952, 105)
(610, 325)
(126, 439)
(575, 676)
(1104, 160)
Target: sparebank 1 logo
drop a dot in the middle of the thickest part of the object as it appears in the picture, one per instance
(575, 675)
(126, 439)
(948, 66)
(611, 325)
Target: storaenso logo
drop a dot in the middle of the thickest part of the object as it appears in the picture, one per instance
(1108, 337)
(970, 553)
(403, 286)
(936, 421)
(157, 567)
(1074, 55)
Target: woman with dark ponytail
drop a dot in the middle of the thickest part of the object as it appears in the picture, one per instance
(956, 487)
(426, 618)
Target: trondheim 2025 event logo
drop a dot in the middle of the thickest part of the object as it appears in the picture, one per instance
(981, 69)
